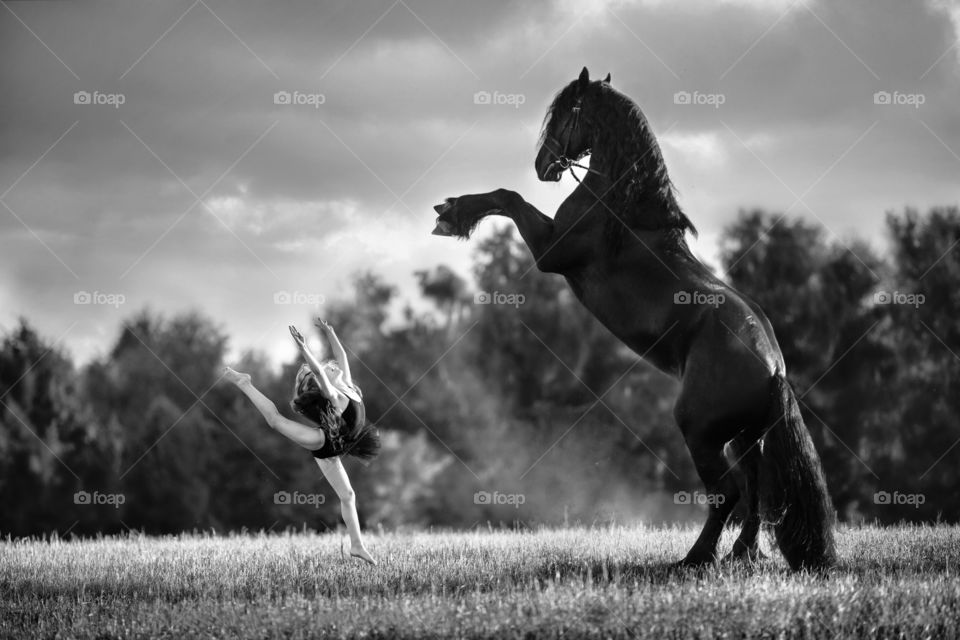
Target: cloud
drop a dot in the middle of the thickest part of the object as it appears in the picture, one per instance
(952, 9)
(704, 148)
(313, 218)
(301, 195)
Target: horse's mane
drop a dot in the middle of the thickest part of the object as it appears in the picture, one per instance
(622, 133)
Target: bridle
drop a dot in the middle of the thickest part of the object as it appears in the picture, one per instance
(566, 162)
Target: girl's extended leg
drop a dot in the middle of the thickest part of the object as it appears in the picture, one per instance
(336, 475)
(303, 435)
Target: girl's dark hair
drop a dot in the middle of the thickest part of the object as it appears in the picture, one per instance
(318, 408)
(361, 441)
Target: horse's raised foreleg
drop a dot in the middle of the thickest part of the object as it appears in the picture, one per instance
(460, 216)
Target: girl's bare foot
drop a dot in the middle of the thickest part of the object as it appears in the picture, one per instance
(363, 554)
(235, 377)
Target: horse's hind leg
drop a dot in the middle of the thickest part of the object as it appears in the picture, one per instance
(747, 456)
(722, 491)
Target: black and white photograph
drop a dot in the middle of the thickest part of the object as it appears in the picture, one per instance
(496, 319)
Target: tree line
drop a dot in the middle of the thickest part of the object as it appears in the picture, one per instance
(508, 404)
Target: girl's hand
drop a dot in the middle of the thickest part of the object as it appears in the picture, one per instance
(297, 336)
(323, 325)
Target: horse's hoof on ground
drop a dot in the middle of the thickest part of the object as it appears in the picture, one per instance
(744, 553)
(692, 563)
(750, 557)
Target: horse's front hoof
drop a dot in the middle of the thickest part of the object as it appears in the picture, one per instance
(444, 227)
(445, 206)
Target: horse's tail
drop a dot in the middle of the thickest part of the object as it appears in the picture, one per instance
(794, 491)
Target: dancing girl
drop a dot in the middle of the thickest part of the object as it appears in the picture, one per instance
(325, 394)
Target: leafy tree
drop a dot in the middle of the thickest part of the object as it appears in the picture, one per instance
(520, 392)
(819, 297)
(922, 307)
(50, 444)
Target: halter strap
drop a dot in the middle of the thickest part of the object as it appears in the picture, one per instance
(566, 163)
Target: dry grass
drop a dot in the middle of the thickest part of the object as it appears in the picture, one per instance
(615, 582)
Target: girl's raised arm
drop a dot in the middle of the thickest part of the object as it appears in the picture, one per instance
(338, 351)
(325, 385)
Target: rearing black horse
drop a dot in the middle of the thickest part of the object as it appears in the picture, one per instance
(618, 239)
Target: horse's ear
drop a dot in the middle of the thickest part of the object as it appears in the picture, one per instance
(607, 79)
(584, 77)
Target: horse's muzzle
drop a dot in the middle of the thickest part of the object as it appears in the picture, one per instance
(549, 168)
(552, 173)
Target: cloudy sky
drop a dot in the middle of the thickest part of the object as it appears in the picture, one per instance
(145, 158)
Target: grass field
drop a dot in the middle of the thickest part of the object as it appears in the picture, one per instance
(615, 582)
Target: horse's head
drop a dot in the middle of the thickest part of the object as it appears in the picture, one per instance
(565, 137)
